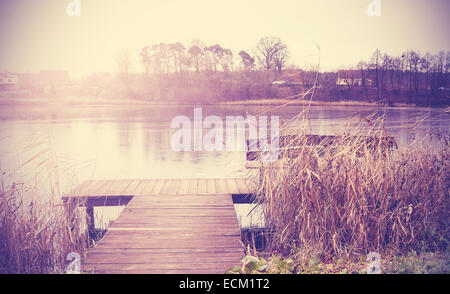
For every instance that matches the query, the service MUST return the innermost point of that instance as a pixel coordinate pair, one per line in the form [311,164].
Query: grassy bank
[324,205]
[69,101]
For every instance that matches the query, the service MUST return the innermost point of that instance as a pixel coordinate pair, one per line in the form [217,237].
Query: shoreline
[130,102]
[290,102]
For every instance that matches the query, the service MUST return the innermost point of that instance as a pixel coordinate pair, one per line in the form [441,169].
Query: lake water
[73,144]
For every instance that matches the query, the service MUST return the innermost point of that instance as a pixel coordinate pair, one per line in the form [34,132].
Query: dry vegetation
[36,236]
[349,199]
[37,230]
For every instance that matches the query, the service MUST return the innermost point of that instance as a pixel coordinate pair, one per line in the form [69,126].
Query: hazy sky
[38,34]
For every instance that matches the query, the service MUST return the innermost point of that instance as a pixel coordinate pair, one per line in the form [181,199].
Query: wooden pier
[168,225]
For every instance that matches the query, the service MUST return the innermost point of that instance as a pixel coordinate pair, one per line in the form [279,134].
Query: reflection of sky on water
[114,143]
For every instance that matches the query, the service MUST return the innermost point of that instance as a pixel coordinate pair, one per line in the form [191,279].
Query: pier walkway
[167,226]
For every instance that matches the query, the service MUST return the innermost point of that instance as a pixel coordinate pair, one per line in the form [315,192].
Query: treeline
[411,76]
[202,72]
[208,73]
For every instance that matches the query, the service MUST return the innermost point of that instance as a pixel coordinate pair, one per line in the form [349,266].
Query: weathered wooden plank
[184,187]
[144,187]
[131,187]
[193,186]
[202,186]
[91,270]
[179,212]
[150,258]
[173,187]
[211,186]
[182,199]
[168,251]
[115,187]
[167,186]
[209,264]
[169,243]
[185,229]
[175,225]
[104,257]
[81,189]
[221,186]
[180,234]
[232,186]
[96,188]
[177,219]
[148,187]
[158,186]
[225,228]
[160,269]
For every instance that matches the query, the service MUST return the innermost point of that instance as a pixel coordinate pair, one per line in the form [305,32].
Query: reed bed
[351,197]
[37,235]
[37,230]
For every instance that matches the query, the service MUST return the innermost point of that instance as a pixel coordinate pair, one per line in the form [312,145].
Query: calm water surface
[76,144]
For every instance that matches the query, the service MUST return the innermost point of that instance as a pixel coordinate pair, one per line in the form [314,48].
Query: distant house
[290,78]
[355,78]
[8,81]
[288,84]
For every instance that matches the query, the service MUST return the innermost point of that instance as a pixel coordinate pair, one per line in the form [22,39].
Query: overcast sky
[37,35]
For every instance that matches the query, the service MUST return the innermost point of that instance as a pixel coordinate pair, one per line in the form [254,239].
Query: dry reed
[351,198]
[37,230]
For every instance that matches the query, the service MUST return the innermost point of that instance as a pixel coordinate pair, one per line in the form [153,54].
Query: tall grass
[351,198]
[38,231]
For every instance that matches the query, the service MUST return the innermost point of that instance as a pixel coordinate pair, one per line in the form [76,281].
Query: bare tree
[124,64]
[280,59]
[177,54]
[196,52]
[425,66]
[266,49]
[375,66]
[146,59]
[414,61]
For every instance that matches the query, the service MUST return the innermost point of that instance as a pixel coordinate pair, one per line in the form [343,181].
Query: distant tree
[247,61]
[362,67]
[399,67]
[177,53]
[146,58]
[280,59]
[425,66]
[123,63]
[196,52]
[386,64]
[266,50]
[375,61]
[447,70]
[213,55]
[226,60]
[413,65]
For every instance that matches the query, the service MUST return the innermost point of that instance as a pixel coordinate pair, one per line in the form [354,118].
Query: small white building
[354,78]
[8,81]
